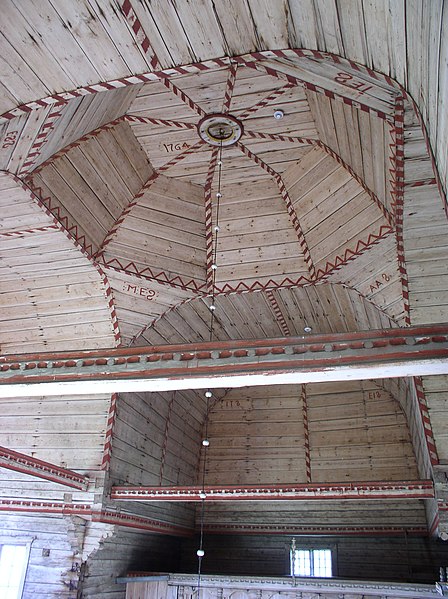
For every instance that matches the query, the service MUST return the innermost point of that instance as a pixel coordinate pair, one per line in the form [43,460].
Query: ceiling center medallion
[220,129]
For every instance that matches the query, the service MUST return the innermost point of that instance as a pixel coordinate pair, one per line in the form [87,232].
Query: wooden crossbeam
[413,351]
[415,489]
[20,462]
[88,512]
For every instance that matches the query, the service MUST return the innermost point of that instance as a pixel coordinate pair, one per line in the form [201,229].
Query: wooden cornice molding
[389,353]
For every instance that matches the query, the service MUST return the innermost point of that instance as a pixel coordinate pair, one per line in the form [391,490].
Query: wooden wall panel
[347,431]
[47,575]
[425,234]
[163,232]
[404,391]
[314,517]
[92,184]
[398,558]
[173,422]
[157,441]
[375,275]
[257,437]
[127,550]
[85,114]
[361,139]
[358,432]
[68,431]
[139,302]
[436,392]
[37,296]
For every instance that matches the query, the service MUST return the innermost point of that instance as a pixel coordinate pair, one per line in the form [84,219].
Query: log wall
[53,567]
[402,558]
[126,550]
[156,441]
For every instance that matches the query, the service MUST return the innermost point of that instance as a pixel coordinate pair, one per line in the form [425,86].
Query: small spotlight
[205,442]
[307,329]
[278,114]
[208,393]
[212,307]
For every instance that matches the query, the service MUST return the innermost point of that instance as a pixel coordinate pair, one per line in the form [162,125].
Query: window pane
[311,562]
[302,563]
[13,560]
[322,562]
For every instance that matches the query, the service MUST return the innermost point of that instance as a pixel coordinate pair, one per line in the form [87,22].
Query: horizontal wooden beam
[413,351]
[86,511]
[415,489]
[20,462]
[292,528]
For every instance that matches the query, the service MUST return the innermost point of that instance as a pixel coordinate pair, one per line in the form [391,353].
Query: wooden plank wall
[164,232]
[65,430]
[400,558]
[425,232]
[349,431]
[356,430]
[405,393]
[126,550]
[319,185]
[46,279]
[91,184]
[157,441]
[315,517]
[53,568]
[436,392]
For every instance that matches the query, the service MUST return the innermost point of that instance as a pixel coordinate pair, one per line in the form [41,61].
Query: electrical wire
[208,394]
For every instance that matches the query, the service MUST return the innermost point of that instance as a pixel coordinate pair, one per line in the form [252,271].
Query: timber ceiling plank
[141,301]
[325,308]
[163,233]
[46,280]
[93,182]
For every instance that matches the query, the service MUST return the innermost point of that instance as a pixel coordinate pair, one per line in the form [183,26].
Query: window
[311,562]
[13,564]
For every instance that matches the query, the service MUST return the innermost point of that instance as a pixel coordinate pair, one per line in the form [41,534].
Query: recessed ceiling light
[307,329]
[278,114]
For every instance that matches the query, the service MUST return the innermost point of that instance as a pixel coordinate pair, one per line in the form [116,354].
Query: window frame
[312,545]
[11,542]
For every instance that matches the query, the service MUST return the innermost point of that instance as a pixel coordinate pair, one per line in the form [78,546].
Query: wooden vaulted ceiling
[306,198]
[108,200]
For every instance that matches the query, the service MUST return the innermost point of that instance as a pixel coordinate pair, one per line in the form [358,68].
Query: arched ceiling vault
[312,197]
